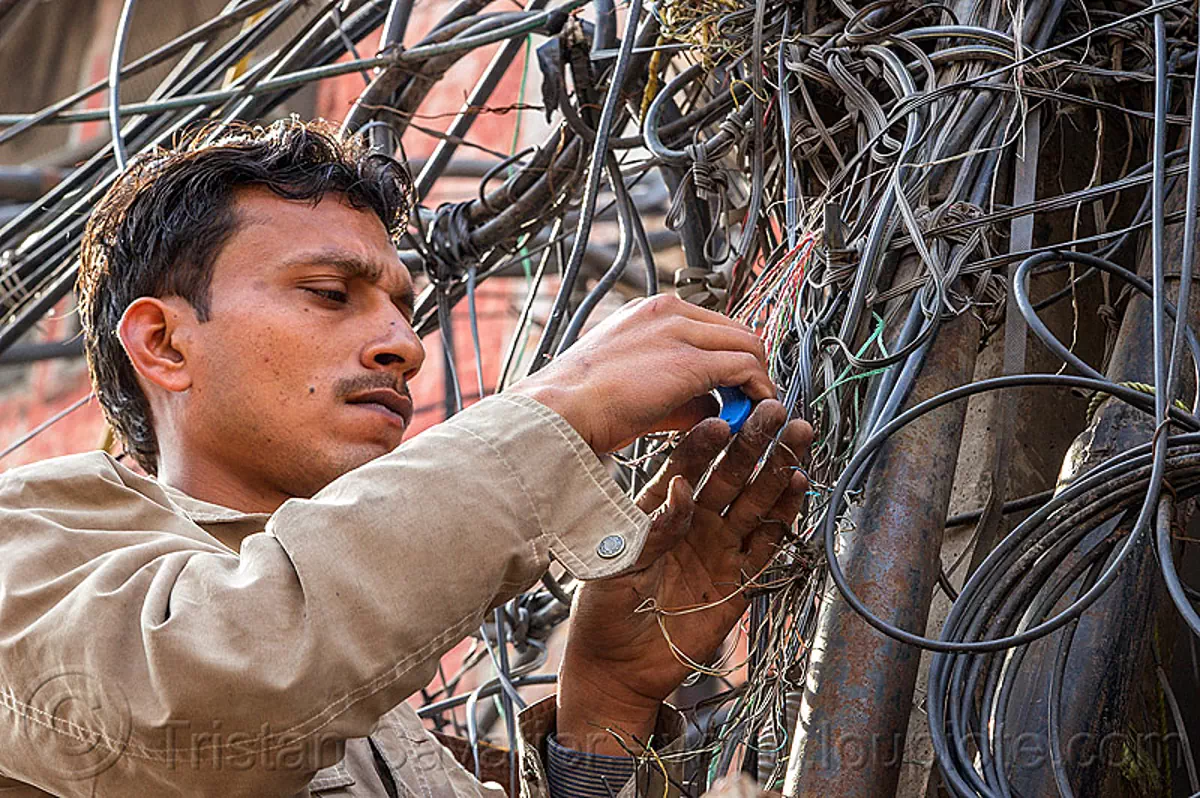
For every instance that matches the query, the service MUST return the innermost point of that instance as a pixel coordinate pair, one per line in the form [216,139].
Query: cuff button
[611,546]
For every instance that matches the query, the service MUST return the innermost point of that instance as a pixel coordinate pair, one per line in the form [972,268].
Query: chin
[358,456]
[340,451]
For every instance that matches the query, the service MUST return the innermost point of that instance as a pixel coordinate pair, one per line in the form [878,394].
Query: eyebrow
[353,267]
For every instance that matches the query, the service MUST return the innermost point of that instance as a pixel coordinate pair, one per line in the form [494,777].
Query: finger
[737,464]
[753,503]
[798,437]
[669,523]
[680,419]
[762,544]
[722,338]
[733,369]
[690,460]
[740,370]
[716,335]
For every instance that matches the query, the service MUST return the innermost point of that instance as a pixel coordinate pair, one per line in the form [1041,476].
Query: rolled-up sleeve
[138,658]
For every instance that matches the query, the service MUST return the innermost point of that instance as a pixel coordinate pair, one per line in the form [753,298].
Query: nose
[397,348]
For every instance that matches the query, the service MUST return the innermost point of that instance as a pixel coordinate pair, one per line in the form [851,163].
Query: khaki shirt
[141,657]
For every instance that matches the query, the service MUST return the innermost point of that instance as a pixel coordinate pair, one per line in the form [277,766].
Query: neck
[219,485]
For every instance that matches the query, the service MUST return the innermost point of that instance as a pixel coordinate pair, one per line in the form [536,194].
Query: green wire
[843,378]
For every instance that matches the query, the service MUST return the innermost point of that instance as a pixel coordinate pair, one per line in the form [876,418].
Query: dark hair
[159,228]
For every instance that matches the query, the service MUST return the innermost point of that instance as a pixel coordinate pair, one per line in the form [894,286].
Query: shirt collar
[202,512]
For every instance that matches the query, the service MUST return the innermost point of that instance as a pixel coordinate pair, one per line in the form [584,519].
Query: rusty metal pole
[850,735]
[1110,666]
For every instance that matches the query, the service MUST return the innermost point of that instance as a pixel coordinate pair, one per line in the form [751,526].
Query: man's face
[300,374]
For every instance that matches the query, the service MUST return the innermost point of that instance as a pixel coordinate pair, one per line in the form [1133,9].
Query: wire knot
[949,214]
[709,180]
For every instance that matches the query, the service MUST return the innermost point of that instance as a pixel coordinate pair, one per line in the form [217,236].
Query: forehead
[270,231]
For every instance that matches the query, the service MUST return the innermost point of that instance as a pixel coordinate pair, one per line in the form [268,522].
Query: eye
[331,294]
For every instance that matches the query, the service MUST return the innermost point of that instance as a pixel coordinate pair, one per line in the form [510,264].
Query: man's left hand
[700,553]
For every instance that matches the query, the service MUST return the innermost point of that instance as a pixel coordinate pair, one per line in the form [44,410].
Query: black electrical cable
[153,58]
[1165,389]
[487,691]
[591,191]
[466,117]
[1058,259]
[114,83]
[650,132]
[1098,508]
[829,525]
[610,277]
[1014,506]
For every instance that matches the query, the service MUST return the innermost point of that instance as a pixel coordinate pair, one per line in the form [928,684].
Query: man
[250,620]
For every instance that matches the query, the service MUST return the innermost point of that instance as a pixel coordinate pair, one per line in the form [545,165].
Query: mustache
[370,382]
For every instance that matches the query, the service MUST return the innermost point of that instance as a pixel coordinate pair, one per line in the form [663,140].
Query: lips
[393,402]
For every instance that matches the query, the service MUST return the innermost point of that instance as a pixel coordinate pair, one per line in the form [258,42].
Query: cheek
[273,345]
[263,361]
[284,362]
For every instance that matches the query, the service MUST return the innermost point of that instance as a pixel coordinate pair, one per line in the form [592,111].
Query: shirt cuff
[588,523]
[576,773]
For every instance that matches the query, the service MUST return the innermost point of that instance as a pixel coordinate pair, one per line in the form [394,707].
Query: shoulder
[72,477]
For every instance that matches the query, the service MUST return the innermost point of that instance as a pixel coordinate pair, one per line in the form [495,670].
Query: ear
[155,332]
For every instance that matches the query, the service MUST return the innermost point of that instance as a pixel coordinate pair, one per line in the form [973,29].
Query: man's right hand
[647,368]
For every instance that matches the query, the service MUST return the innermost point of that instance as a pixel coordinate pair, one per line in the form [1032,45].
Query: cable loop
[700,287]
[450,248]
[676,215]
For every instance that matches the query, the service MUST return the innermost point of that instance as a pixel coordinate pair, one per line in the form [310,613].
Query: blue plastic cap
[735,407]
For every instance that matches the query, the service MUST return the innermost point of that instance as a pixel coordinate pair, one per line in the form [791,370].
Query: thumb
[684,417]
[670,523]
[689,414]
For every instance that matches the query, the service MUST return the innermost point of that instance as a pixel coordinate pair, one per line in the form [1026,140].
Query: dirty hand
[648,367]
[618,667]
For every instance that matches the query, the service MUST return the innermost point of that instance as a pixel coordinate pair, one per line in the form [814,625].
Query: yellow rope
[652,83]
[1099,397]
